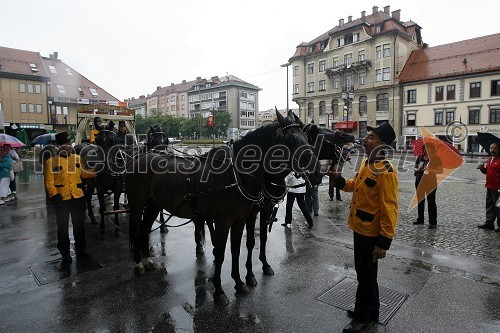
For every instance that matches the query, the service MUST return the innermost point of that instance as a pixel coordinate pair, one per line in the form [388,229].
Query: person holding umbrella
[5,168]
[491,168]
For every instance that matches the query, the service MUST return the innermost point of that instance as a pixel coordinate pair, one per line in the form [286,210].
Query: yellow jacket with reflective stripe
[64,176]
[374,207]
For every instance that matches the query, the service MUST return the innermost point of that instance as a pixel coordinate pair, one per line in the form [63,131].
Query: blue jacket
[5,166]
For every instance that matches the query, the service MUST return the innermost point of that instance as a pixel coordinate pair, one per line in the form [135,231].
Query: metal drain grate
[343,296]
[54,271]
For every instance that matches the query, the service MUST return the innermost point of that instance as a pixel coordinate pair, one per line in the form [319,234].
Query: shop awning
[346,124]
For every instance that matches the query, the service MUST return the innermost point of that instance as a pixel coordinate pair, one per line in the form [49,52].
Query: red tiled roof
[482,54]
[72,82]
[16,61]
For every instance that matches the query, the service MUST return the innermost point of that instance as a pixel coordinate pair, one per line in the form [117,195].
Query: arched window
[322,108]
[335,108]
[383,102]
[362,105]
[310,110]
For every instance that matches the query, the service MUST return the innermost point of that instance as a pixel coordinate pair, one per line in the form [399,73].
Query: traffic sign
[345,118]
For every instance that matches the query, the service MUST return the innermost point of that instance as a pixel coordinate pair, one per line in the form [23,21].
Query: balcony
[351,68]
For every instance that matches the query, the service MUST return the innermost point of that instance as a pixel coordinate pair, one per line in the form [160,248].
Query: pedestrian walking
[16,167]
[427,166]
[5,176]
[491,168]
[312,200]
[372,218]
[296,190]
[63,182]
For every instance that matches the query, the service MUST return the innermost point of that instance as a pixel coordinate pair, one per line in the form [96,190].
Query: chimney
[341,22]
[183,81]
[349,18]
[158,87]
[214,78]
[374,10]
[363,14]
[56,54]
[172,84]
[396,15]
[198,78]
[142,96]
[387,10]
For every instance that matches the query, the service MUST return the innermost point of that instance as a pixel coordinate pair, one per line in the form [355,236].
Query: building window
[378,75]
[310,110]
[310,68]
[322,65]
[322,108]
[295,89]
[61,89]
[411,119]
[39,108]
[31,108]
[58,110]
[450,92]
[22,87]
[335,108]
[494,115]
[322,85]
[439,93]
[30,88]
[383,102]
[348,82]
[495,88]
[474,116]
[348,60]
[362,105]
[438,118]
[23,108]
[38,89]
[310,87]
[53,70]
[387,74]
[450,116]
[475,90]
[387,50]
[362,78]
[68,71]
[378,52]
[311,48]
[336,83]
[412,96]
[361,56]
[378,29]
[335,62]
[340,42]
[362,129]
[65,110]
[94,93]
[296,70]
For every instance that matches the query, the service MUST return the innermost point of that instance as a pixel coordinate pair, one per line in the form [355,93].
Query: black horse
[328,146]
[222,186]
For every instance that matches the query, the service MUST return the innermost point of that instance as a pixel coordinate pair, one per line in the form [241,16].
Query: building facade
[139,105]
[453,90]
[43,93]
[347,78]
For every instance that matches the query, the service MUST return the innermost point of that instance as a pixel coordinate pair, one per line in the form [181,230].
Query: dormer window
[33,67]
[311,49]
[94,92]
[378,29]
[80,91]
[68,71]
[53,70]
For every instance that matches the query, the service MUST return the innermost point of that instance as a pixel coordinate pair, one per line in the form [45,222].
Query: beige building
[43,93]
[170,100]
[347,78]
[453,90]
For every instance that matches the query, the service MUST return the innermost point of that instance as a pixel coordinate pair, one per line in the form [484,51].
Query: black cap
[121,123]
[62,138]
[385,132]
[96,119]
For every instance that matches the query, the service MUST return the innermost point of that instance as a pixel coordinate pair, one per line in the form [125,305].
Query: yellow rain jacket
[374,207]
[93,135]
[64,176]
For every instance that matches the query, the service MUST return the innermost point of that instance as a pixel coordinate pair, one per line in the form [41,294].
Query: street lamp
[328,113]
[286,65]
[348,97]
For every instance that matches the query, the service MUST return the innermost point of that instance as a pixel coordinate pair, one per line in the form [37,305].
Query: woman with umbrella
[5,168]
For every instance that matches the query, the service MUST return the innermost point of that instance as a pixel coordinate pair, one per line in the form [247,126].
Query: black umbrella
[486,139]
[43,139]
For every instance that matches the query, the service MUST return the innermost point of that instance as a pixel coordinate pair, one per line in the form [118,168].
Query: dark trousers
[75,208]
[290,199]
[367,298]
[492,211]
[311,198]
[12,184]
[431,206]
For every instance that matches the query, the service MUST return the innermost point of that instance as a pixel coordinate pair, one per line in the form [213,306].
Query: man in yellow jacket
[97,128]
[63,173]
[372,218]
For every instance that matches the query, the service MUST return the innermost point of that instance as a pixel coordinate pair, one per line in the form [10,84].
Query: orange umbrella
[444,159]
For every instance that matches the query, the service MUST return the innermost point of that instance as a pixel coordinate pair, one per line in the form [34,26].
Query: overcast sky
[130,47]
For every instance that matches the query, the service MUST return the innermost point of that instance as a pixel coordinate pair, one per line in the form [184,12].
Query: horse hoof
[200,250]
[268,270]
[251,281]
[242,289]
[139,271]
[221,300]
